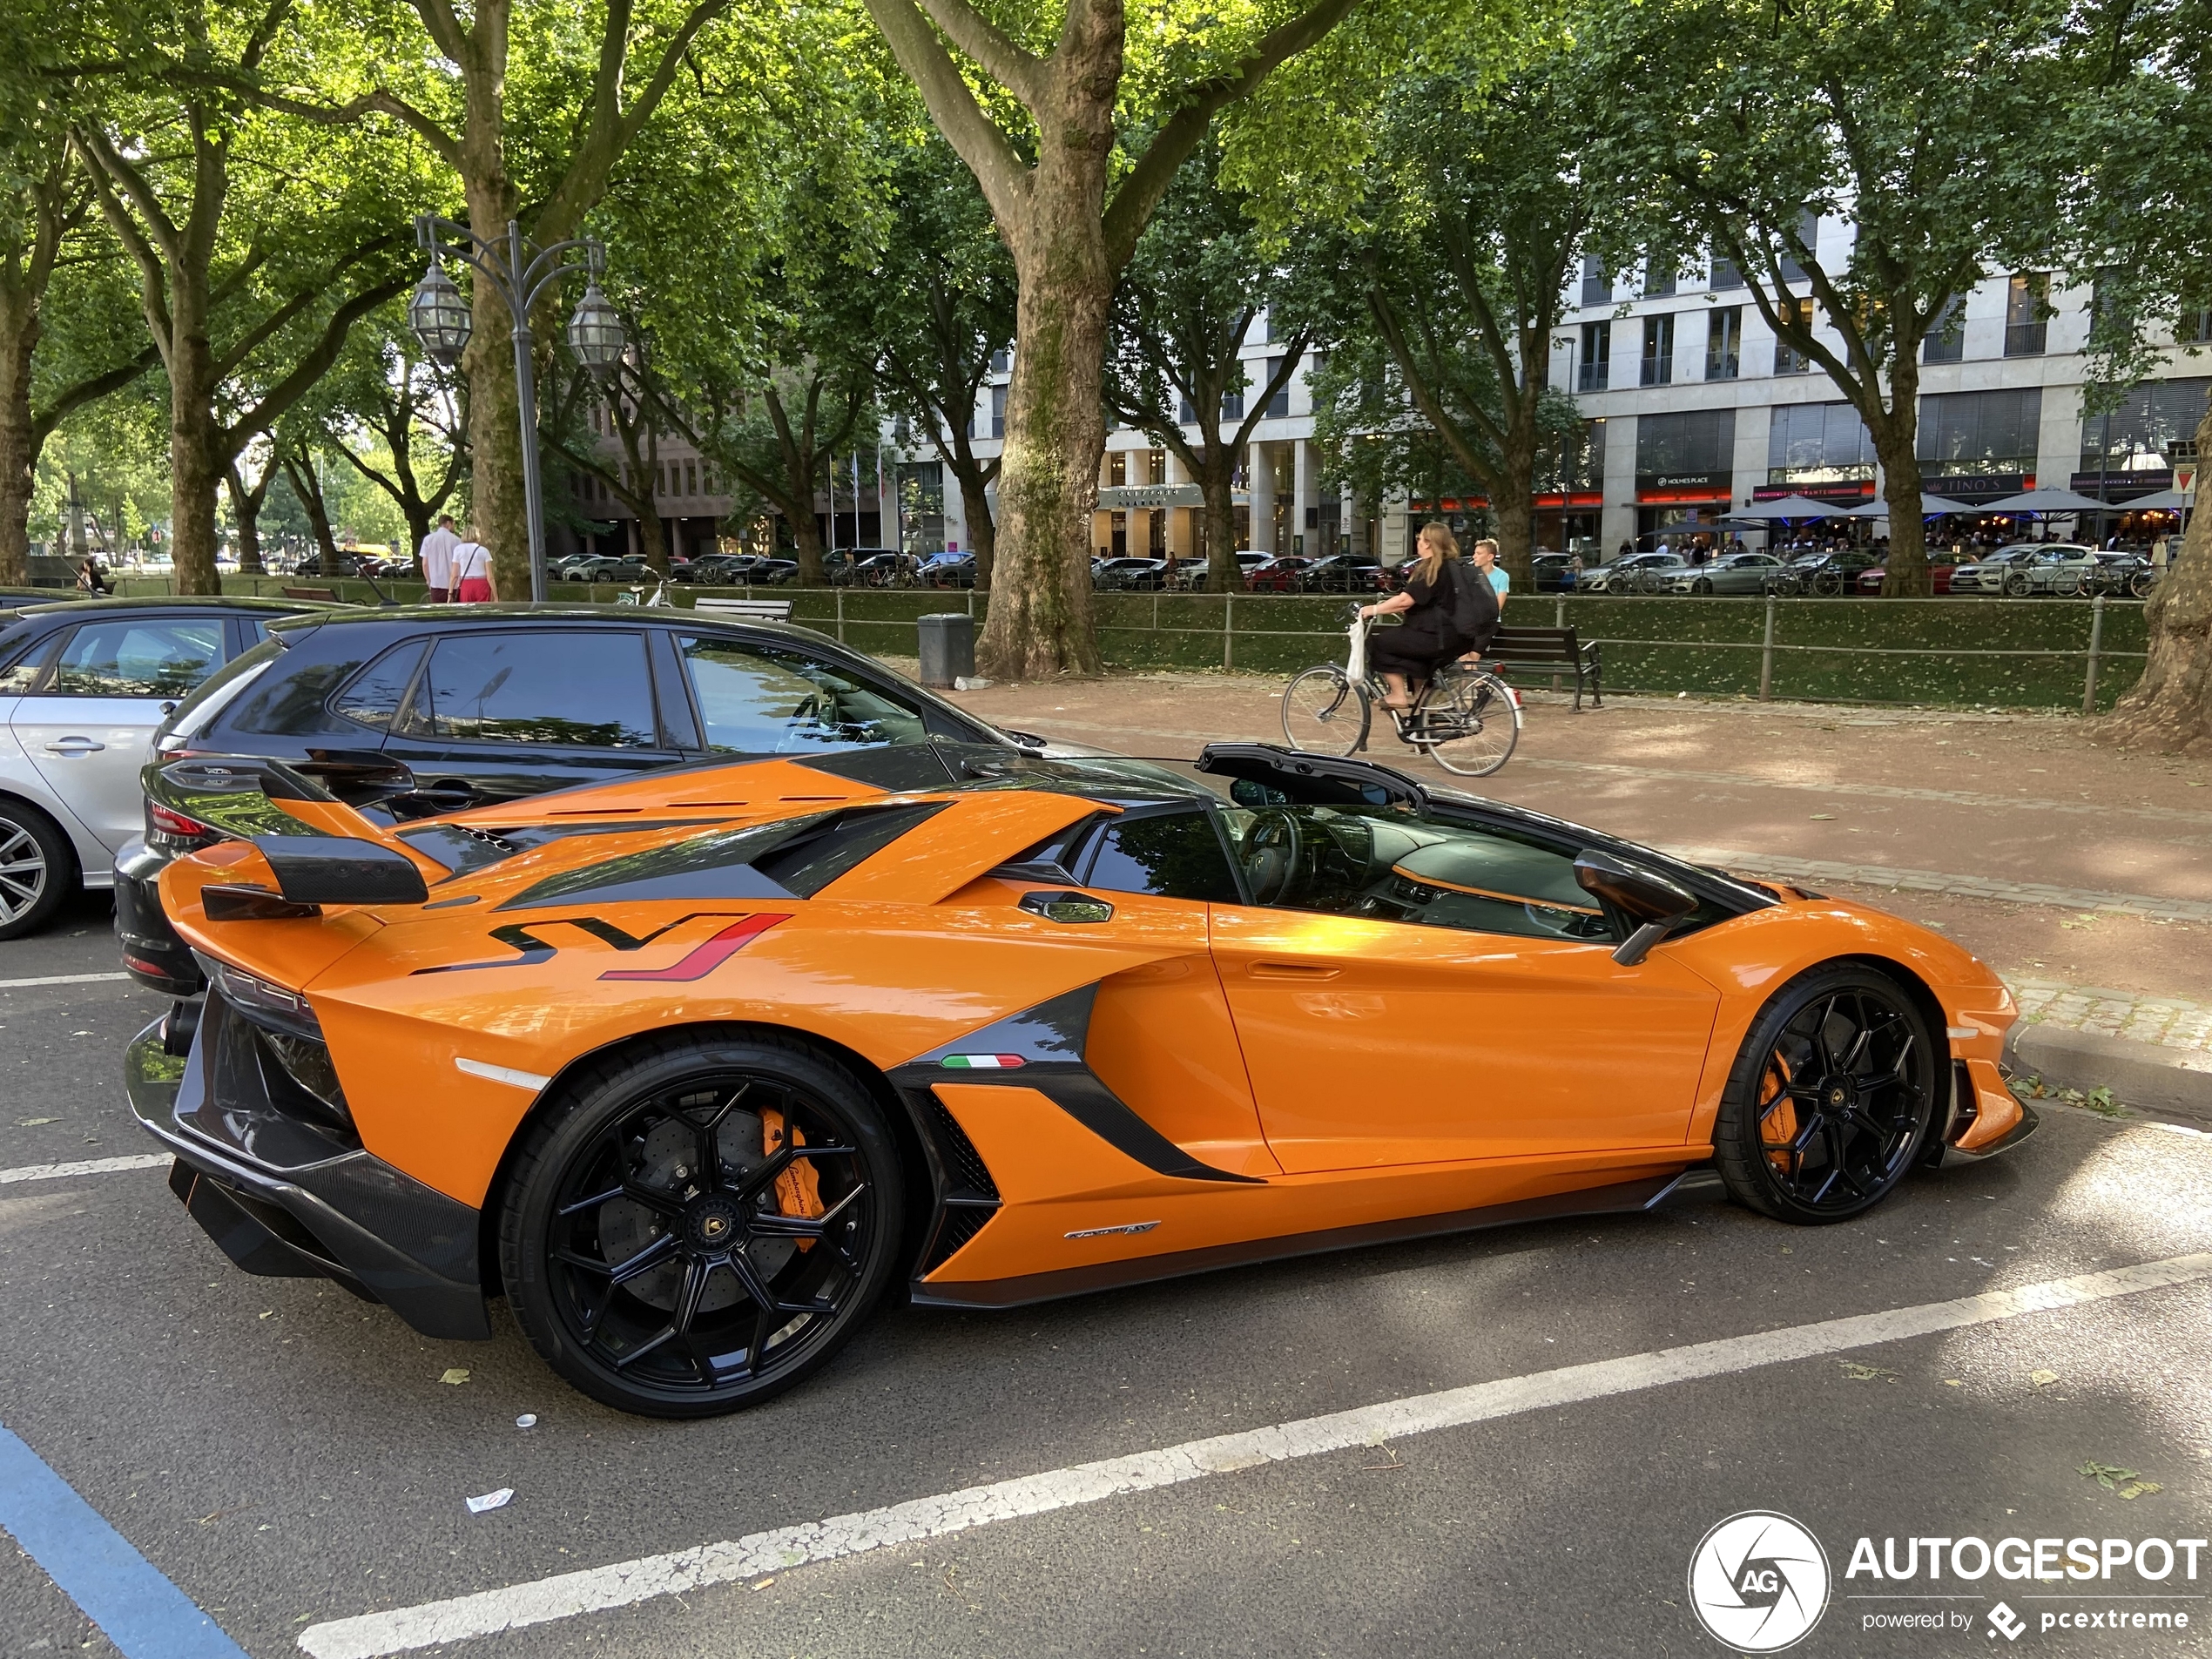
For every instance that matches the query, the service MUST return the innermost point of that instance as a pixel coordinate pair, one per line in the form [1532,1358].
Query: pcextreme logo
[1758,1582]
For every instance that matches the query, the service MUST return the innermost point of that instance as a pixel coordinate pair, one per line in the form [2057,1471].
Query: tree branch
[312,367]
[1141,190]
[974,136]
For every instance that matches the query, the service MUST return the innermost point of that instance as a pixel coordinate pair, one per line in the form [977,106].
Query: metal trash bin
[947,648]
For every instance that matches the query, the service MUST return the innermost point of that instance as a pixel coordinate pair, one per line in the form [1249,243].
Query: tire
[1483,721]
[1325,713]
[1828,1148]
[757,1280]
[2016,586]
[1702,586]
[37,868]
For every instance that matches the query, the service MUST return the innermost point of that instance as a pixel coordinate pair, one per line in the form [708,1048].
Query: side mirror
[1645,897]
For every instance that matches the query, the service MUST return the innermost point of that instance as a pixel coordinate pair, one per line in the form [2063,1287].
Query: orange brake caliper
[798,1191]
[1780,1112]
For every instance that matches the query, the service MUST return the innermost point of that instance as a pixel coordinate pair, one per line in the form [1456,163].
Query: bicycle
[1467,718]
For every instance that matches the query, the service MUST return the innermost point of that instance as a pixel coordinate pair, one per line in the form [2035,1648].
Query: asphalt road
[288,1456]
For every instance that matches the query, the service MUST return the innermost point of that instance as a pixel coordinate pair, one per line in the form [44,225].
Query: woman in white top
[472,573]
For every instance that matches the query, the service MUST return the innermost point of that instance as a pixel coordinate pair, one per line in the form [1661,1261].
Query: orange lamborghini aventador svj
[695,1066]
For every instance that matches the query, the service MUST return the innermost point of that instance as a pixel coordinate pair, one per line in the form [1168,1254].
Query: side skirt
[1623,1197]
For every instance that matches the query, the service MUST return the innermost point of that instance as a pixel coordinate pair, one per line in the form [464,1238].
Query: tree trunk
[1039,626]
[2170,711]
[806,537]
[307,486]
[653,541]
[245,507]
[19,441]
[982,535]
[196,461]
[1513,515]
[1906,574]
[1223,575]
[498,515]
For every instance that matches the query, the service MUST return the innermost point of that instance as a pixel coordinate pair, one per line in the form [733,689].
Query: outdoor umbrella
[2167,501]
[1931,506]
[1790,510]
[2045,503]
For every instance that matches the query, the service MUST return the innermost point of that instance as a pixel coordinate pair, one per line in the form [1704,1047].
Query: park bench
[1548,648]
[747,609]
[329,595]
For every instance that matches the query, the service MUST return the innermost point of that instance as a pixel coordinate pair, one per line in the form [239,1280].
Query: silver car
[2026,568]
[82,685]
[1730,573]
[1638,573]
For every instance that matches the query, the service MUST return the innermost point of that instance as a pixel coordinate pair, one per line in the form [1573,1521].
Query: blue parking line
[138,1609]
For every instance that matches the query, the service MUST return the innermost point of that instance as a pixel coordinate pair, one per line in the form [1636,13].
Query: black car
[416,711]
[84,683]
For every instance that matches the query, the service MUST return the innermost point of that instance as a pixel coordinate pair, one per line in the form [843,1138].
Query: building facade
[1696,409]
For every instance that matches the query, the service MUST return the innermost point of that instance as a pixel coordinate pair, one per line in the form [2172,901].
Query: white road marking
[89,1166]
[501,1073]
[61,979]
[594,1589]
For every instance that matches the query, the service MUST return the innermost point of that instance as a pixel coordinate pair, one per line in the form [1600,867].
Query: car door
[514,712]
[88,726]
[1415,991]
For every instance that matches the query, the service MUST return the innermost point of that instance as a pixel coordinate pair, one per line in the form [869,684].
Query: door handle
[75,746]
[1292,970]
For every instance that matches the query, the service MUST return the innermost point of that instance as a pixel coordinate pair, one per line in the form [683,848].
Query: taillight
[167,822]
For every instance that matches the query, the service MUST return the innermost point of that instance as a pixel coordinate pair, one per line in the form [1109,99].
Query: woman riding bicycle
[1439,597]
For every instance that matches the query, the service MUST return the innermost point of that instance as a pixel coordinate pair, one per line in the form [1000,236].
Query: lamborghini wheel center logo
[1758,1582]
[712,1223]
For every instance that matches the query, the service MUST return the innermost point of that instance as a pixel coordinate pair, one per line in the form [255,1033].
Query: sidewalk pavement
[2020,835]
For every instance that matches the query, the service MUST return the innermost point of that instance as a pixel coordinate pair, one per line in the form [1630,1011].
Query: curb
[2147,1074]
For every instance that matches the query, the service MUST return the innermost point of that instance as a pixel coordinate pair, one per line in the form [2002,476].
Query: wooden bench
[749,610]
[326,593]
[1548,648]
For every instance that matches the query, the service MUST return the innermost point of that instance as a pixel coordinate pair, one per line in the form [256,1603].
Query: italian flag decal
[981,1062]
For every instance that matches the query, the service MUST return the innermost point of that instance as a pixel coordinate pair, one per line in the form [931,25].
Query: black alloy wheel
[1830,1099]
[702,1224]
[1702,586]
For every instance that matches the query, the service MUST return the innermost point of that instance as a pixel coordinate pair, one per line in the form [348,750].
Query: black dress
[1417,648]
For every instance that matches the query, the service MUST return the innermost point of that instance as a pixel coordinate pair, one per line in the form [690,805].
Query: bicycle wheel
[1473,723]
[1325,713]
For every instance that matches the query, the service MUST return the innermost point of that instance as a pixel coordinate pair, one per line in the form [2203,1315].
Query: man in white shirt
[436,554]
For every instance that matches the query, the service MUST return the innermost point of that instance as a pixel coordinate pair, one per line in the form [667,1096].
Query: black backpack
[1471,610]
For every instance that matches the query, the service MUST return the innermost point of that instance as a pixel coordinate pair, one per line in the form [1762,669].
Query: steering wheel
[1274,848]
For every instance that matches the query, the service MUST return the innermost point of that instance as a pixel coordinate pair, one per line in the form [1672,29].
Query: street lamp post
[520,273]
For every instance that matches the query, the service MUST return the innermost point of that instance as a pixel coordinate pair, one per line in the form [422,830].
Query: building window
[1156,465]
[1945,341]
[1690,443]
[1658,368]
[1117,468]
[1657,283]
[1597,355]
[1817,443]
[1572,459]
[1279,405]
[1001,360]
[1724,342]
[1787,359]
[1723,276]
[2195,327]
[2027,309]
[1233,405]
[1965,434]
[1598,286]
[1809,234]
[691,478]
[2141,433]
[998,411]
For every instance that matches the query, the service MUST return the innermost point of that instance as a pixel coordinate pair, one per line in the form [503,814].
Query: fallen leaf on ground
[2128,1483]
[1823,817]
[2042,1379]
[33,1122]
[457,1374]
[1857,1372]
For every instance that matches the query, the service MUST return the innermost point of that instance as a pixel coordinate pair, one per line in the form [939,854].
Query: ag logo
[1758,1582]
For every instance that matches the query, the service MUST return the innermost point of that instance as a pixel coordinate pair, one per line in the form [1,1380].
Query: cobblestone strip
[2167,1021]
[1971,887]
